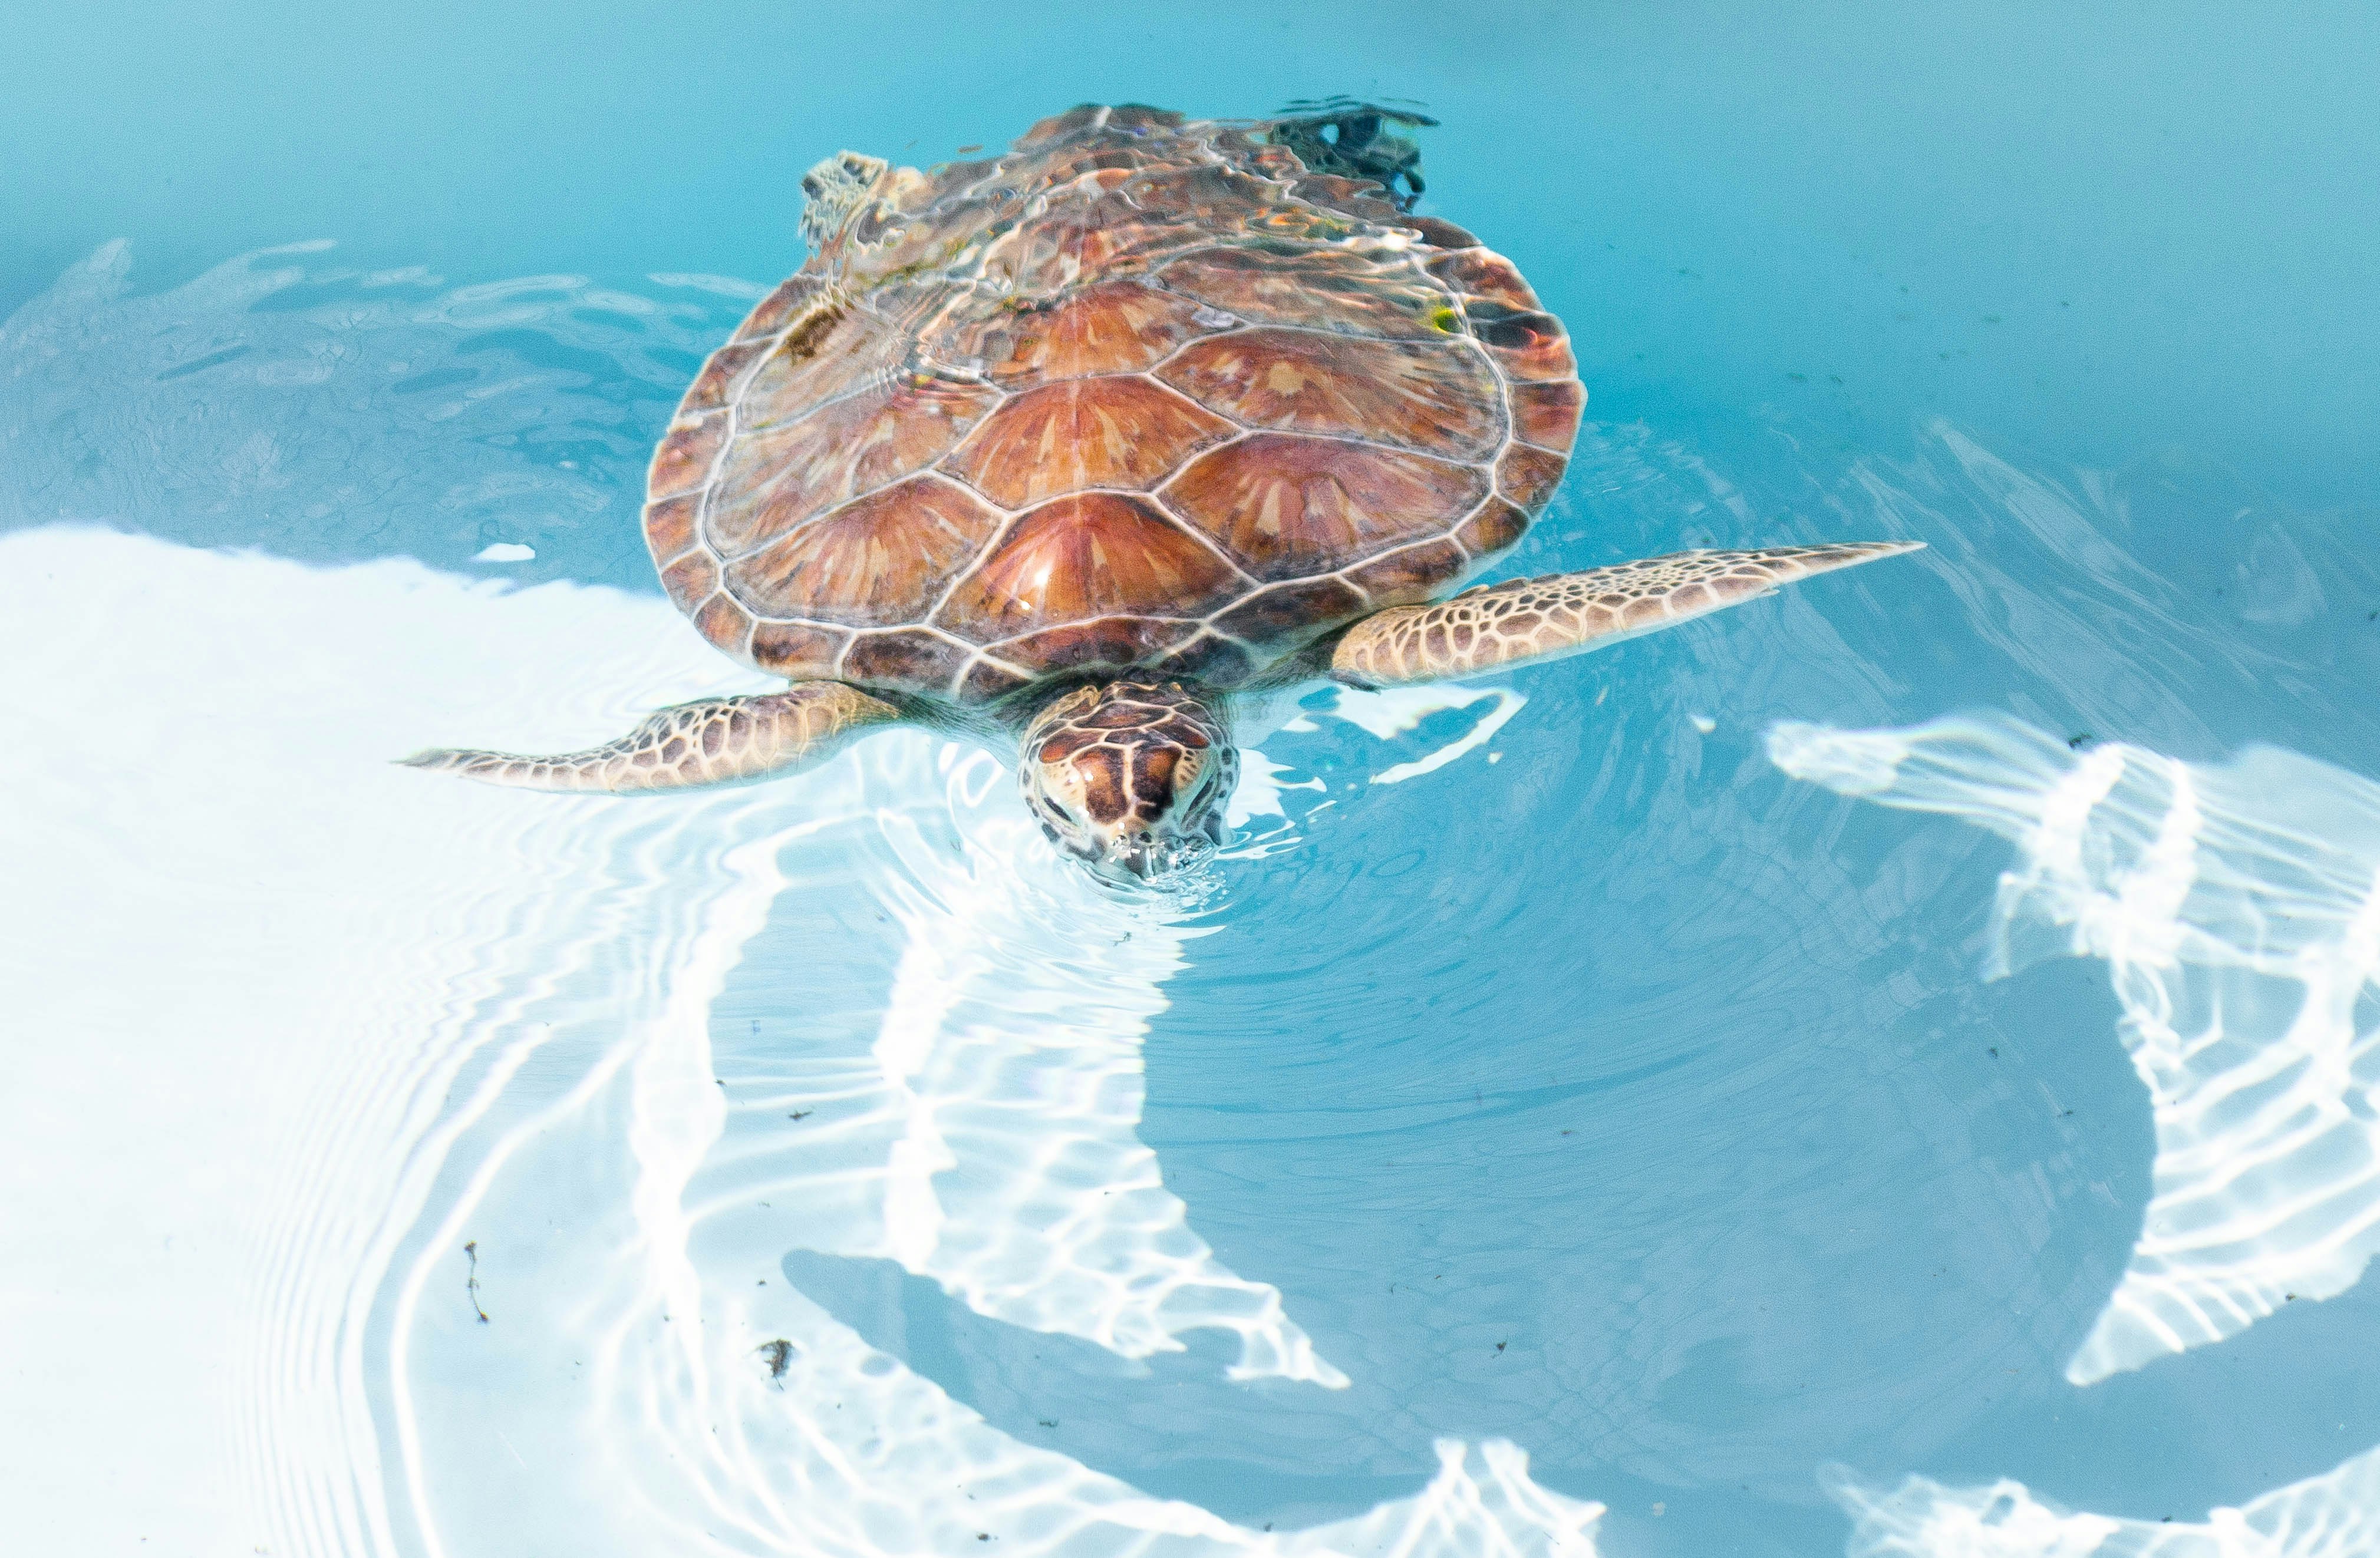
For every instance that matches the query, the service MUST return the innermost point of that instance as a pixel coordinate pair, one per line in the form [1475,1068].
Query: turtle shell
[1140,394]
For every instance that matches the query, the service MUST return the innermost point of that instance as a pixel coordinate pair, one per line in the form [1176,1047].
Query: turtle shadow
[1156,1423]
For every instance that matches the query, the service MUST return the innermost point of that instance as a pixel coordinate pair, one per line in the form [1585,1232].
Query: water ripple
[492,1197]
[2333,1515]
[1551,1070]
[2238,908]
[280,400]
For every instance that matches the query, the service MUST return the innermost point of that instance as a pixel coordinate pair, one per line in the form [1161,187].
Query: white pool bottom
[294,1026]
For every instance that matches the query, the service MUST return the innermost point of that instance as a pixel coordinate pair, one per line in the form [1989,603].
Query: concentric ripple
[507,1206]
[405,1167]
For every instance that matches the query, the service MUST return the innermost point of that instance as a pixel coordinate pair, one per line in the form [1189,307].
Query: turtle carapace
[1091,441]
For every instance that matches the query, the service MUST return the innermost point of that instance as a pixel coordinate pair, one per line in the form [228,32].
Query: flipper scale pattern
[710,741]
[1558,614]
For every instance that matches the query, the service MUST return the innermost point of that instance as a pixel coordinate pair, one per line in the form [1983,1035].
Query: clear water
[1878,1070]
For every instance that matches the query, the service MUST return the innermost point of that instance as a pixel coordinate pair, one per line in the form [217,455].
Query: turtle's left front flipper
[1544,618]
[714,741]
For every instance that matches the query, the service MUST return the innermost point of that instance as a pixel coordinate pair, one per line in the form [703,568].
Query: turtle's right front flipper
[713,741]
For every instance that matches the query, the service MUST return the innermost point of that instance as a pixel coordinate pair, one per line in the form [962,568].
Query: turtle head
[1129,775]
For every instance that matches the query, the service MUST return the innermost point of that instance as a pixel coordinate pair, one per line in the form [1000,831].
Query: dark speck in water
[472,1279]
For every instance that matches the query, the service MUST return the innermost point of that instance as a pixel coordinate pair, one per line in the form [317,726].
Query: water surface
[1880,1071]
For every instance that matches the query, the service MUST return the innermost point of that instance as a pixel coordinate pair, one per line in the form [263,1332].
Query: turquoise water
[1686,1066]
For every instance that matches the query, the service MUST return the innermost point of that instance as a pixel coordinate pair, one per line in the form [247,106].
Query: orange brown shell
[1137,395]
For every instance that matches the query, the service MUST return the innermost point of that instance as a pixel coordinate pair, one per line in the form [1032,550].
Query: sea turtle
[1094,442]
